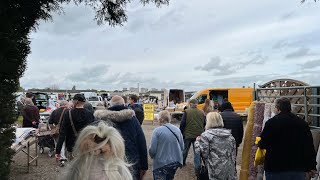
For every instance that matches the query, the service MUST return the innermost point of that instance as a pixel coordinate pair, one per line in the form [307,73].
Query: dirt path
[47,168]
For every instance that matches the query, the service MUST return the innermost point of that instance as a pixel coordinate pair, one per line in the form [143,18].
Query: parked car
[45,105]
[94,100]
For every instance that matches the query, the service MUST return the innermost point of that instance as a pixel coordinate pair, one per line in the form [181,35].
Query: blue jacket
[166,147]
[132,106]
[127,124]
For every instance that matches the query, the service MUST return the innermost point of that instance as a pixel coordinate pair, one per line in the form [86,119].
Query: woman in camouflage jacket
[218,149]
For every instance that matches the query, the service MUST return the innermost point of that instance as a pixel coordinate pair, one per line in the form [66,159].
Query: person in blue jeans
[166,148]
[192,125]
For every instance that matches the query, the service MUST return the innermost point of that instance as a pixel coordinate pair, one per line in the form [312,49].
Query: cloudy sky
[188,44]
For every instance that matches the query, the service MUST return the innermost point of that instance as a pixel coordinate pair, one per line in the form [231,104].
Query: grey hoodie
[218,149]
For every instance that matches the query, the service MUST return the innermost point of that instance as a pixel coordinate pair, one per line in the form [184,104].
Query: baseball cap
[79,97]
[29,94]
[193,101]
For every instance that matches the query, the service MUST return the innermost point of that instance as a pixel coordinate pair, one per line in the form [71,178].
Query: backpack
[139,113]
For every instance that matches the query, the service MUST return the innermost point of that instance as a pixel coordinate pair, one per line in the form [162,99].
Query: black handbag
[203,171]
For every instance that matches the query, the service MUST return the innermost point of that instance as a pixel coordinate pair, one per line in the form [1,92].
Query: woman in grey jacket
[218,149]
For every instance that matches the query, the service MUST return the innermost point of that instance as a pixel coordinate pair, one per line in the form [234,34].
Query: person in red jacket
[30,114]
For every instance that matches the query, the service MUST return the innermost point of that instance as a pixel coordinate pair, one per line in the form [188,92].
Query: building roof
[155,91]
[61,91]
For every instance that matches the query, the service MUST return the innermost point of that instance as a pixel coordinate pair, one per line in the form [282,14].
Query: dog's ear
[87,144]
[106,150]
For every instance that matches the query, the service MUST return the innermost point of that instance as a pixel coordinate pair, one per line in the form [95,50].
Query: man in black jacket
[232,121]
[70,128]
[125,121]
[289,145]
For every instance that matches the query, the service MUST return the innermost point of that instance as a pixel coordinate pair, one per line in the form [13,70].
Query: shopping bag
[260,154]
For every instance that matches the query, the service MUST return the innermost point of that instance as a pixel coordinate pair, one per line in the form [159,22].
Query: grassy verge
[19,121]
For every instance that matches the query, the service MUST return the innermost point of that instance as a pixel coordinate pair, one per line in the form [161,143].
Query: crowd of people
[110,143]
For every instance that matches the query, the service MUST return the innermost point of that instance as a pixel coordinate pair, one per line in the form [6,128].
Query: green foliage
[18,18]
[113,11]
[19,120]
[303,1]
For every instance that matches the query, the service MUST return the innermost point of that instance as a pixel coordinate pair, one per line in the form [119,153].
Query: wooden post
[28,154]
[36,144]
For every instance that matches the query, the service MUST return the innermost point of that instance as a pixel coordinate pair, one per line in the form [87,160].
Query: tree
[18,18]
[73,88]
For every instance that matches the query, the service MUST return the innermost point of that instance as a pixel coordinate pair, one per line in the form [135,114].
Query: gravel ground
[47,168]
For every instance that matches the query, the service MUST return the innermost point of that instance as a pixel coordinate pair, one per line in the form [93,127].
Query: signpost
[148,112]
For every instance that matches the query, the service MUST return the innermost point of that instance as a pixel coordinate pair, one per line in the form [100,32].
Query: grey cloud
[192,85]
[136,25]
[219,68]
[138,19]
[73,20]
[309,76]
[141,19]
[130,80]
[288,16]
[172,18]
[244,80]
[301,52]
[87,74]
[257,59]
[281,44]
[310,64]
[302,72]
[215,64]
[285,43]
[145,50]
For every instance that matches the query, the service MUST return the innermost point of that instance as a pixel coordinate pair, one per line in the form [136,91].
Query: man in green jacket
[192,125]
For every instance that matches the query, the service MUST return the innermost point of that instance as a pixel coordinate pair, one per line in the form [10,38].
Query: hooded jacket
[127,124]
[218,149]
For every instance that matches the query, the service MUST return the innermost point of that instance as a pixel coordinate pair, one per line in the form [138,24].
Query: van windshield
[194,96]
[93,99]
[40,96]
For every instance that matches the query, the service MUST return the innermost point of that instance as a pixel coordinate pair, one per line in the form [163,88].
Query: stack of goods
[267,116]
[267,113]
[247,142]
[257,128]
[273,107]
[22,134]
[318,165]
[316,139]
[259,113]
